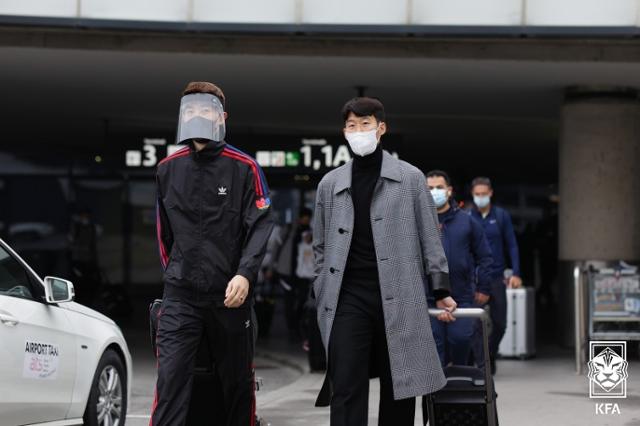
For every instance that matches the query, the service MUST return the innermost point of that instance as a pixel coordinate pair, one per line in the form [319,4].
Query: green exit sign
[292,159]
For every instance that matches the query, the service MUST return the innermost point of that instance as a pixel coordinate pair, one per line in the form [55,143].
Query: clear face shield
[201,117]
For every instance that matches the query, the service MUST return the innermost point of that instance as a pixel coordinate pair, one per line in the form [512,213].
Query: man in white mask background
[469,258]
[498,228]
[376,244]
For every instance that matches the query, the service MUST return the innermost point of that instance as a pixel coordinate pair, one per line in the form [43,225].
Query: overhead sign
[314,154]
[275,153]
[149,155]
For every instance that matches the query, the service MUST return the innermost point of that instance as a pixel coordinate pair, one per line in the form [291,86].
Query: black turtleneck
[362,266]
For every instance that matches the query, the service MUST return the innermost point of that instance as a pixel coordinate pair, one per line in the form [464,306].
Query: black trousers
[180,330]
[295,300]
[358,344]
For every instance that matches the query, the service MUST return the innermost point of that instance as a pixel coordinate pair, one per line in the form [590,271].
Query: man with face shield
[213,224]
[201,118]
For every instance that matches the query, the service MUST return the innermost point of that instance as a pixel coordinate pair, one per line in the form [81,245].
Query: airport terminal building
[539,95]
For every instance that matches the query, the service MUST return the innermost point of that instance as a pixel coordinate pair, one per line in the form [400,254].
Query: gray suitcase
[519,339]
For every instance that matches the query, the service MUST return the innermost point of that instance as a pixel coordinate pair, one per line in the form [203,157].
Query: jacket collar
[477,214]
[390,170]
[210,151]
[451,213]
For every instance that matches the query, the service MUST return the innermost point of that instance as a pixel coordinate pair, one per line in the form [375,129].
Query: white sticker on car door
[40,360]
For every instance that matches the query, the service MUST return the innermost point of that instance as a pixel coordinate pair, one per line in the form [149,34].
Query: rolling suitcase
[519,336]
[206,384]
[468,398]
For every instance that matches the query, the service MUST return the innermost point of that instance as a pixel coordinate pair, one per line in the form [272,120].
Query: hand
[481,298]
[514,282]
[237,291]
[449,305]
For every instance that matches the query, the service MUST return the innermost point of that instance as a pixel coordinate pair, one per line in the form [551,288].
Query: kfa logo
[222,190]
[608,369]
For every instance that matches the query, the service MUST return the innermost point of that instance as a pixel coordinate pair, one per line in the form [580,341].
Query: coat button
[332,270]
[341,231]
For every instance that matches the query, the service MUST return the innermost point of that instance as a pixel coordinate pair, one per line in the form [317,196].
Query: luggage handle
[484,318]
[463,313]
[476,382]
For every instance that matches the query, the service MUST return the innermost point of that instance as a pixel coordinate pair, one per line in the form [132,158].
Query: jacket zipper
[200,230]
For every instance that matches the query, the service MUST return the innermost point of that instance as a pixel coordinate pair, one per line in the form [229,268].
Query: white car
[61,363]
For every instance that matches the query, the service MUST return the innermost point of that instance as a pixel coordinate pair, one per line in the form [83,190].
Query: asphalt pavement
[541,391]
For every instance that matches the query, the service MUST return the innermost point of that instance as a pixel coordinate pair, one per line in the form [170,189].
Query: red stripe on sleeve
[250,162]
[181,153]
[163,251]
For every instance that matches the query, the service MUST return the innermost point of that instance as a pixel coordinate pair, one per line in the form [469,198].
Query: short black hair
[363,107]
[440,173]
[481,180]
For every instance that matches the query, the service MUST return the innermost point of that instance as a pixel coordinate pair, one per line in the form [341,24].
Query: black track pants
[181,327]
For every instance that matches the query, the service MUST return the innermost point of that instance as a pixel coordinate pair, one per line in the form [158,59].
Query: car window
[14,280]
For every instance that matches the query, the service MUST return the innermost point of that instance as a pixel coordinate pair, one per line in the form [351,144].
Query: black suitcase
[206,384]
[468,398]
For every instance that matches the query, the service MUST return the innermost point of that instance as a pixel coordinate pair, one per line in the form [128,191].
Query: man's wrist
[244,273]
[440,294]
[440,281]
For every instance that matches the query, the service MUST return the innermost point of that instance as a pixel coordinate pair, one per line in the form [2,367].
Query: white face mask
[362,143]
[440,196]
[481,201]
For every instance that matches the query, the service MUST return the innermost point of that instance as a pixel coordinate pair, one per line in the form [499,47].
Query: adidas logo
[222,190]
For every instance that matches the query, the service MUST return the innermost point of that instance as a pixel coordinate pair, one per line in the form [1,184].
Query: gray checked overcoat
[409,251]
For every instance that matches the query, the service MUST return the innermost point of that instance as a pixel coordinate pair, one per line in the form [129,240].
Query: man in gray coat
[378,252]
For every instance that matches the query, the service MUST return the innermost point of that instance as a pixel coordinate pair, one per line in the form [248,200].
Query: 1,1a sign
[315,154]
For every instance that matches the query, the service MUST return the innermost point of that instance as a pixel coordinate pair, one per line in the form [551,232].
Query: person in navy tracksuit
[469,257]
[498,228]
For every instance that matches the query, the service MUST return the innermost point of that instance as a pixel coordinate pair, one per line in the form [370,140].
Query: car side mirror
[57,290]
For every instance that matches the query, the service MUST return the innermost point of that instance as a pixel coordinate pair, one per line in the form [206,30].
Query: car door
[37,349]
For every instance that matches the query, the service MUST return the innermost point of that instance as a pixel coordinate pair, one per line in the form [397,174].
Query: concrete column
[599,212]
[600,176]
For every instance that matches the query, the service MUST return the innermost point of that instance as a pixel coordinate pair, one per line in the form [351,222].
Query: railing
[579,302]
